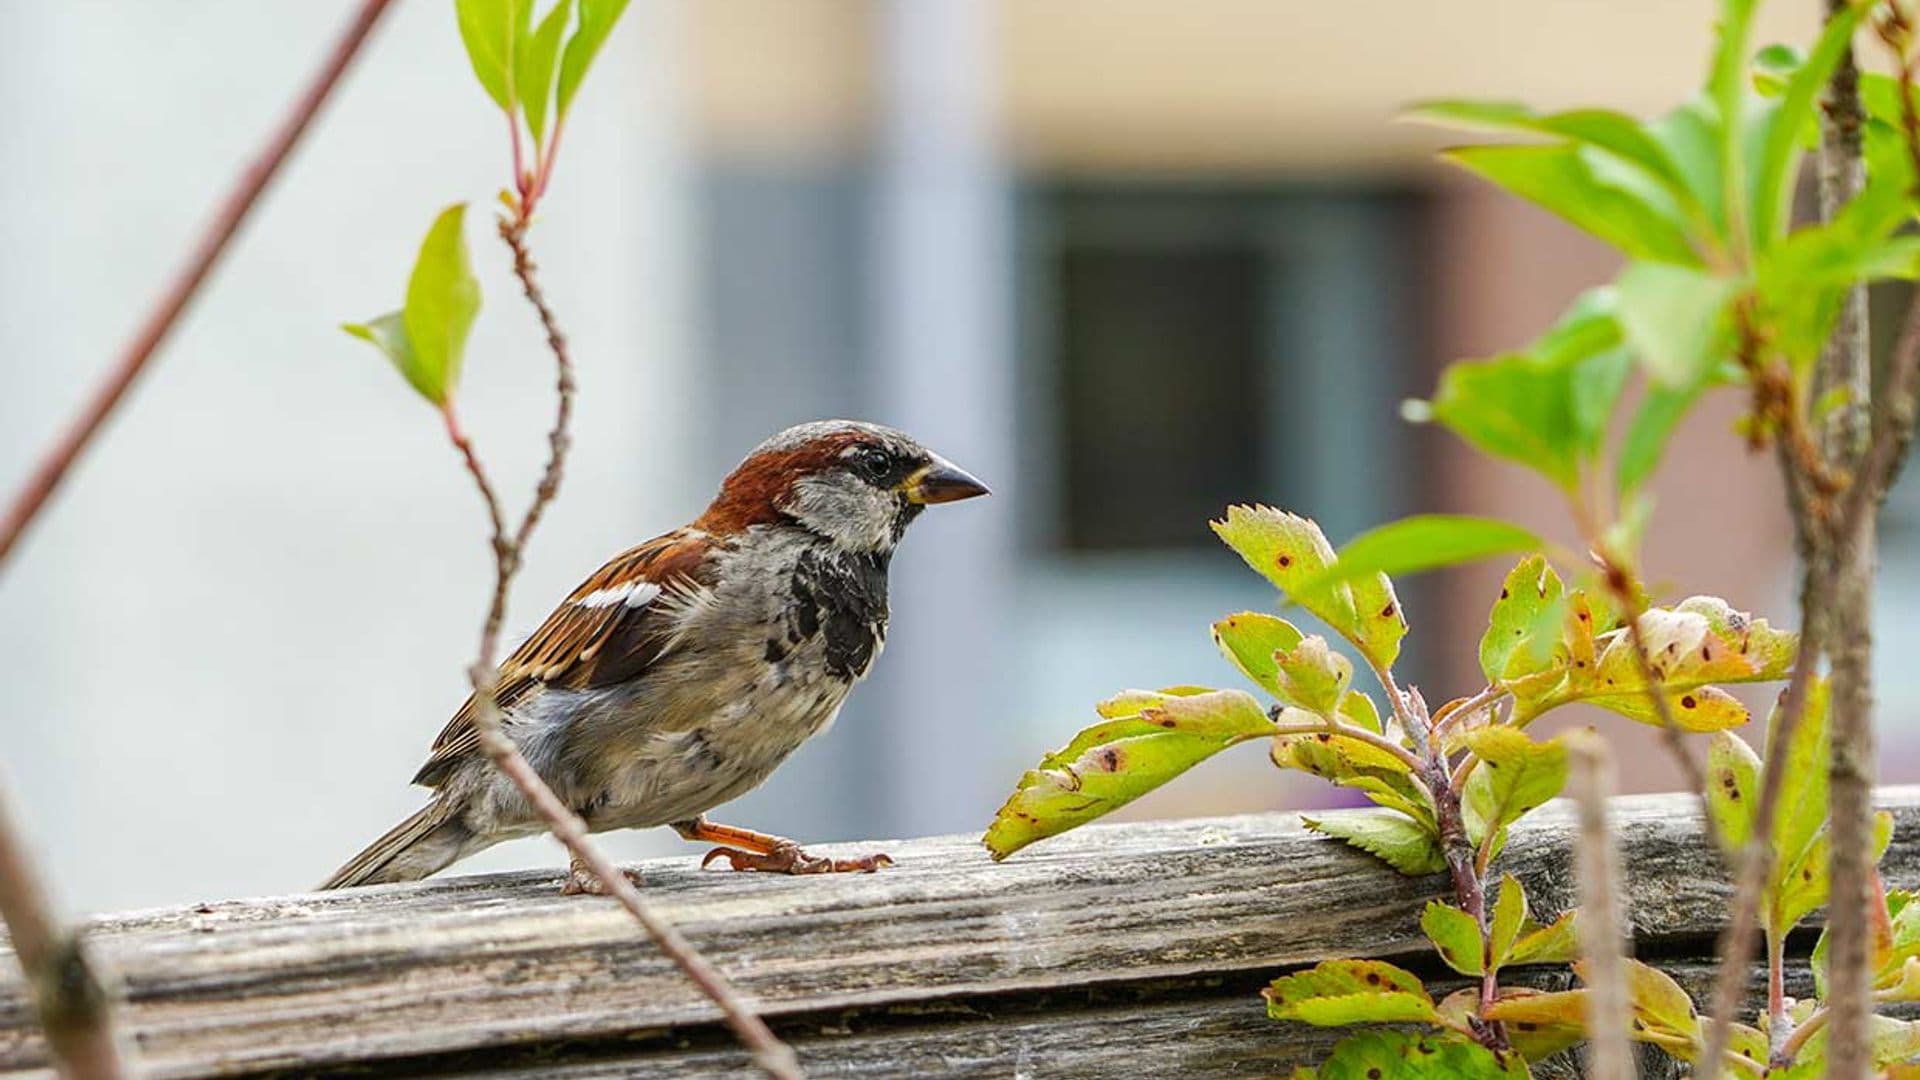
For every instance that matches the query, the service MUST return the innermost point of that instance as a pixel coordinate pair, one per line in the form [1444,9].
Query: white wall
[230,642]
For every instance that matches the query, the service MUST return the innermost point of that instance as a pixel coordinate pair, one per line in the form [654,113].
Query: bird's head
[856,484]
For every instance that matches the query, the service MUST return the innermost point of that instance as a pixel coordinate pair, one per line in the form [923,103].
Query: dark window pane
[1161,357]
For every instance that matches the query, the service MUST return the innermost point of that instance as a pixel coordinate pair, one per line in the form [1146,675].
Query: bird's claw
[584,882]
[788,858]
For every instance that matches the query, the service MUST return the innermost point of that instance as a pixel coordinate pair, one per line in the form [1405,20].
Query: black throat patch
[842,597]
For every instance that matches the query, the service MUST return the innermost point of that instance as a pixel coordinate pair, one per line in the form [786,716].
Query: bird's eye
[872,463]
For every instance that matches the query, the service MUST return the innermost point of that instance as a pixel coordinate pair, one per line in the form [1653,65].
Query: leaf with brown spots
[1339,992]
[1388,1054]
[1355,763]
[1733,785]
[1524,627]
[1455,936]
[1122,758]
[1291,552]
[1540,1024]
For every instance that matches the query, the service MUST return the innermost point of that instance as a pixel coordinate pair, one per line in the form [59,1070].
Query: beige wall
[1210,84]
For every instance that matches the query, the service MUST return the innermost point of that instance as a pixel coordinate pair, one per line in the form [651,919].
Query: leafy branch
[525,72]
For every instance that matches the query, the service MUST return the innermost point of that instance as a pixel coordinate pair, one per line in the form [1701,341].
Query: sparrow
[684,671]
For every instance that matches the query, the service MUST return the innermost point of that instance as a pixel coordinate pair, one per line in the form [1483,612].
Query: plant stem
[75,1011]
[53,468]
[1600,925]
[773,1057]
[1845,363]
[73,1006]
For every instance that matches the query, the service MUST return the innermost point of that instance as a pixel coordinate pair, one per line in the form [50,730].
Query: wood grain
[1111,951]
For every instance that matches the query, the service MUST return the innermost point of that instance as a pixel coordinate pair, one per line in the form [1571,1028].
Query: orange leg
[745,849]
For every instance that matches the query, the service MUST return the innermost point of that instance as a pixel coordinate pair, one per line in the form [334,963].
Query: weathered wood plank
[457,970]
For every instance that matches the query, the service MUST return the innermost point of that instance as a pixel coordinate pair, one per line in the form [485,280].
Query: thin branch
[1600,924]
[74,1007]
[53,468]
[75,1011]
[773,1057]
[1850,547]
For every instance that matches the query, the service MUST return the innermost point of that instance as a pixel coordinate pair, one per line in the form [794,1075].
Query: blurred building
[1127,260]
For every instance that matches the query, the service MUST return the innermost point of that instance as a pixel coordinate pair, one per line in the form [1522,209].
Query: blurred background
[1127,260]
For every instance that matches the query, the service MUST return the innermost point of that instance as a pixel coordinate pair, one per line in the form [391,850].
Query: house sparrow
[682,673]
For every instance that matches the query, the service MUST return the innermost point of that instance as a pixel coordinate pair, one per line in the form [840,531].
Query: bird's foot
[582,881]
[787,857]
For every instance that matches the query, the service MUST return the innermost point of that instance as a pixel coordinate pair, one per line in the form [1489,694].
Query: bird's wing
[607,631]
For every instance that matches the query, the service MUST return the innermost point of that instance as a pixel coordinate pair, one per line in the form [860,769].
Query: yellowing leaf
[1339,992]
[1290,551]
[1455,936]
[1117,761]
[1540,1024]
[1250,640]
[1515,775]
[1392,837]
[1557,943]
[1733,786]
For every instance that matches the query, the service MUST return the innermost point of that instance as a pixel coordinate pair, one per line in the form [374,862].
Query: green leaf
[443,297]
[1290,551]
[1727,86]
[1612,132]
[597,18]
[1800,814]
[1339,992]
[1455,936]
[388,333]
[1314,677]
[427,340]
[1392,837]
[1573,182]
[1646,441]
[1784,133]
[1691,136]
[1515,775]
[534,66]
[1733,785]
[490,29]
[1508,919]
[1250,641]
[1424,542]
[1114,762]
[1675,318]
[1556,943]
[1520,638]
[1406,1055]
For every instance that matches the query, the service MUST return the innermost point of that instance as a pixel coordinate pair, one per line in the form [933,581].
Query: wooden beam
[945,957]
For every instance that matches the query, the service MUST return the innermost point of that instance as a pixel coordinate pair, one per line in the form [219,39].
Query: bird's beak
[940,481]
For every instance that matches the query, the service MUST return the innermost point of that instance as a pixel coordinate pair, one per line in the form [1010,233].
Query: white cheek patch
[634,594]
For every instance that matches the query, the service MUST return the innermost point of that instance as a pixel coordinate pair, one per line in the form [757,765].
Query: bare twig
[1602,942]
[53,468]
[74,1008]
[1850,548]
[774,1057]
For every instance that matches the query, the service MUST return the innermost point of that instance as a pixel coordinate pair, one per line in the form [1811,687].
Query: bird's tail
[426,842]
